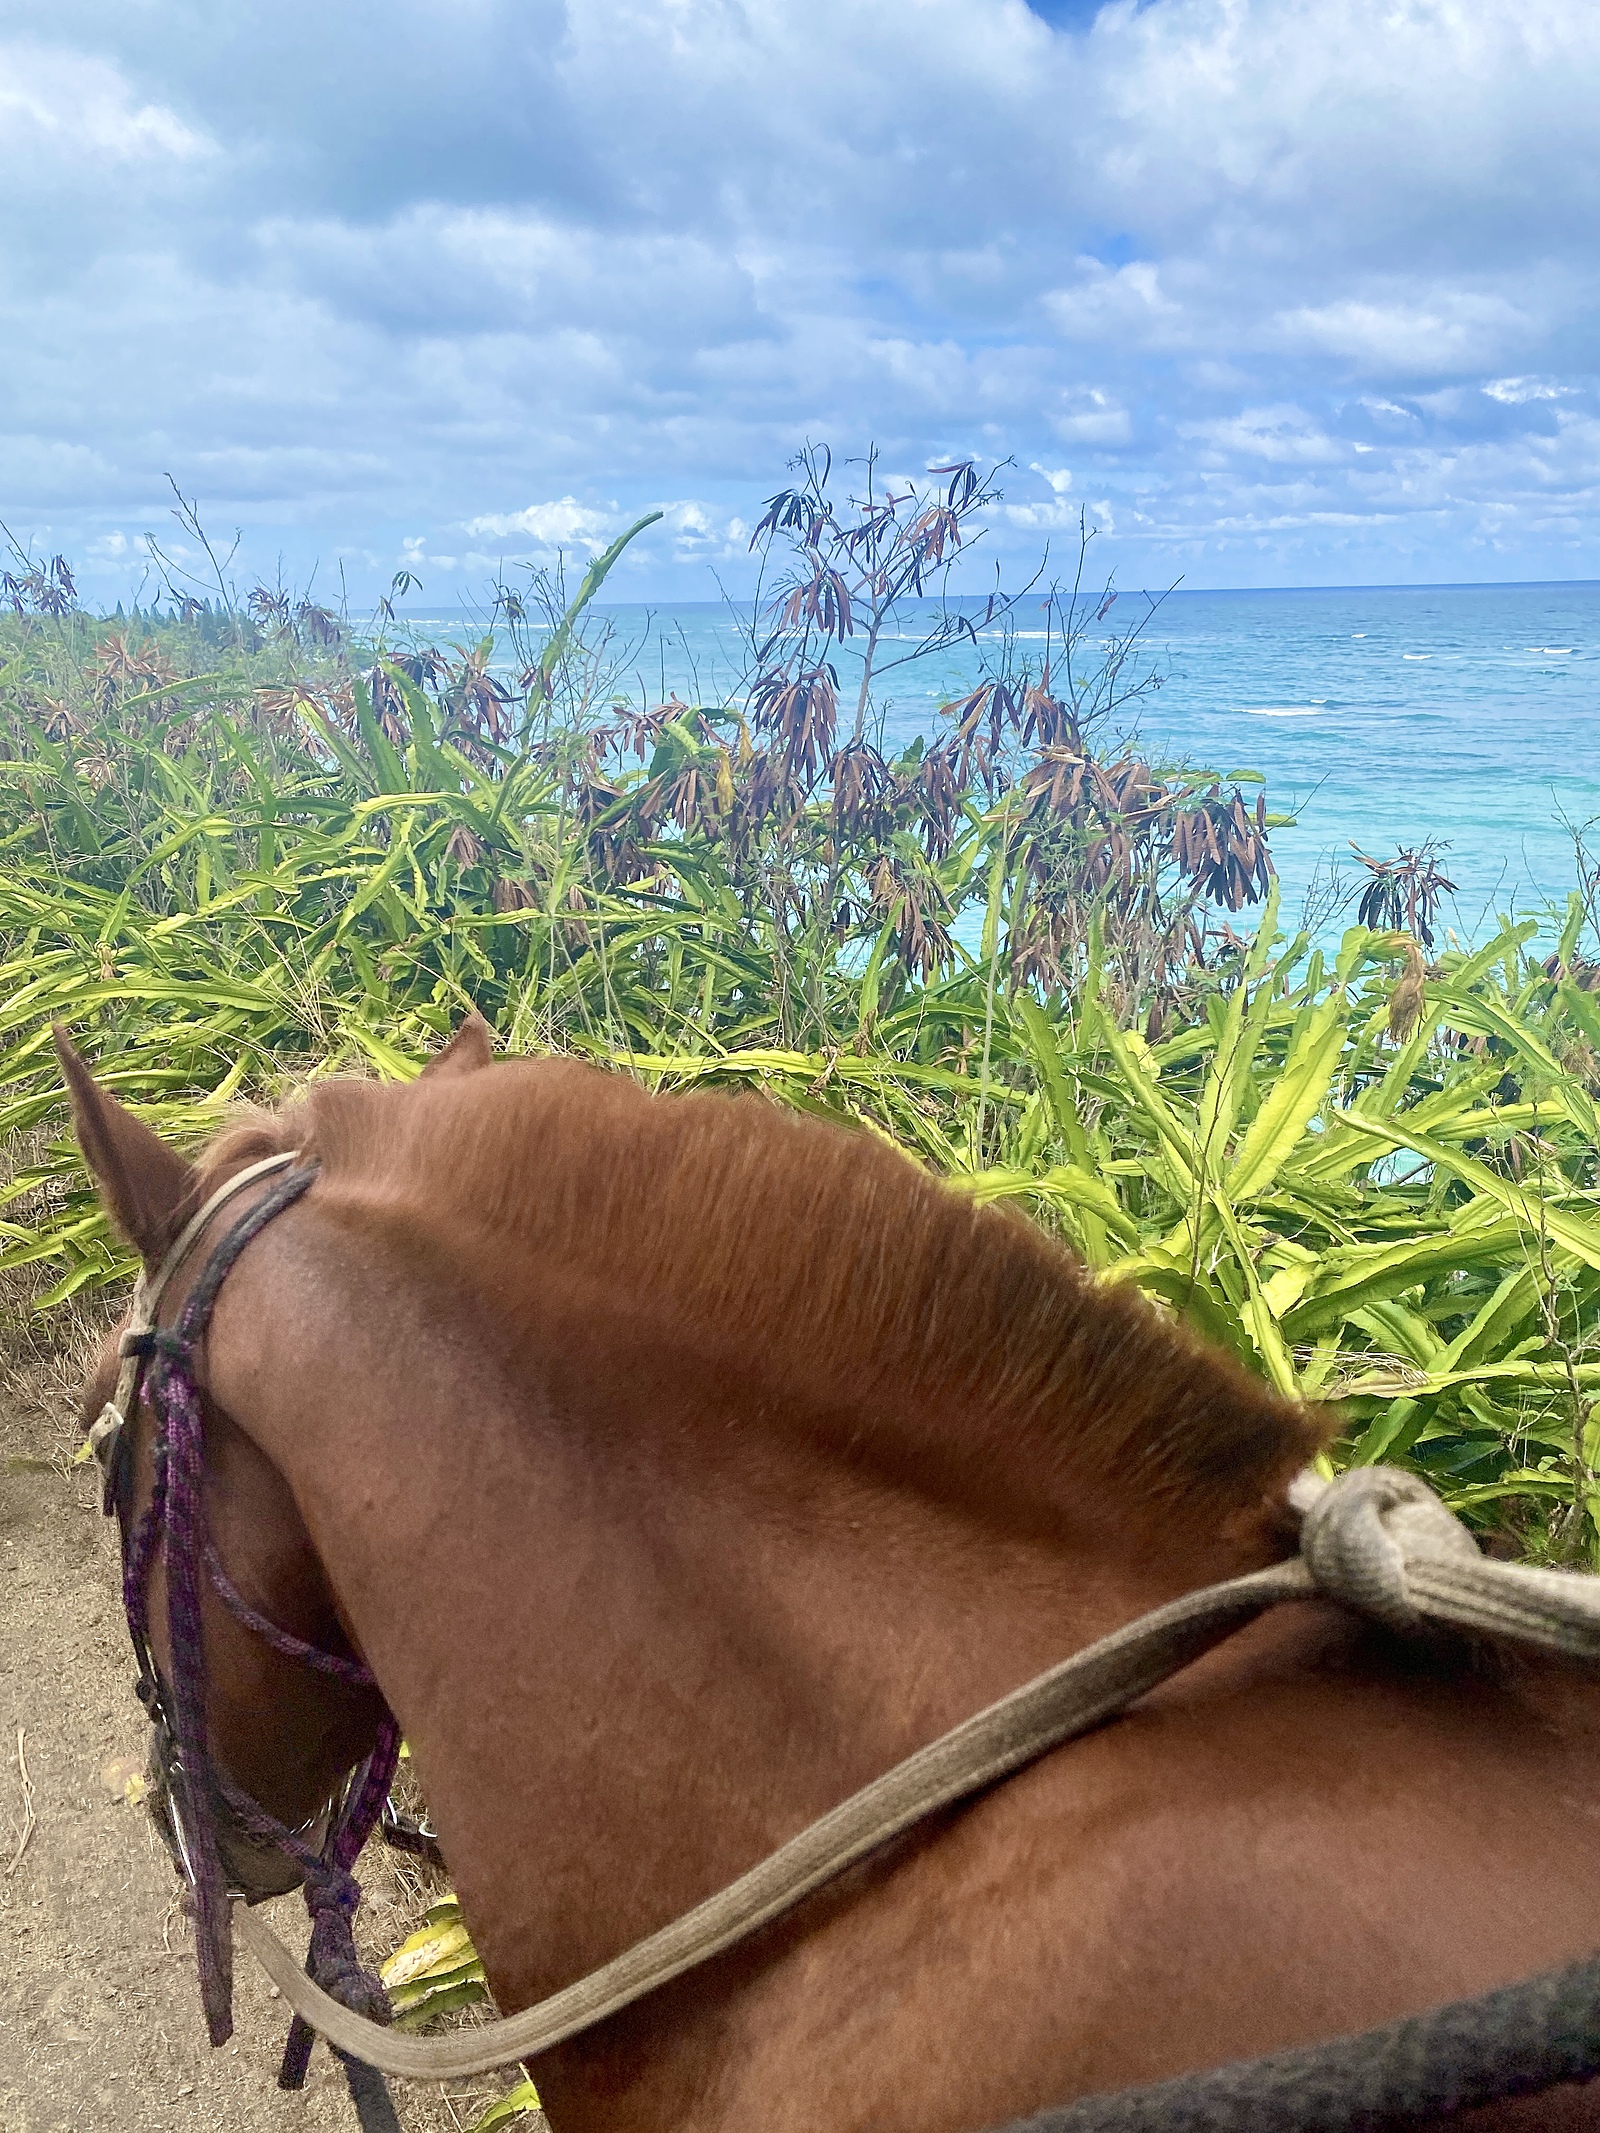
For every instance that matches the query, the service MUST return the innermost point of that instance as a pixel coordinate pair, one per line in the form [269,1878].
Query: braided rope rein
[175,1521]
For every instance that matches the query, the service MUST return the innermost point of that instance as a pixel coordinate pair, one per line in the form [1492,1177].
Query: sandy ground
[99,2016]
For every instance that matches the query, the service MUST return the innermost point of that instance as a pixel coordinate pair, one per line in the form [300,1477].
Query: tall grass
[230,862]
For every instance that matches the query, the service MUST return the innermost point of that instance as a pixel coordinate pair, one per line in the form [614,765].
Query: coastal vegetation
[242,844]
[239,846]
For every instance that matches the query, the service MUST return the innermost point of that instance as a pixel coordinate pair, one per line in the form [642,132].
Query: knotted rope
[1355,1540]
[332,1892]
[1376,1540]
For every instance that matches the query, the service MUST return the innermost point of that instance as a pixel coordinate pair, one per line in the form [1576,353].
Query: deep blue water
[1467,714]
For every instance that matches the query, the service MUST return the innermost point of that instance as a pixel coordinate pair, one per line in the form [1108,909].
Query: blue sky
[1279,291]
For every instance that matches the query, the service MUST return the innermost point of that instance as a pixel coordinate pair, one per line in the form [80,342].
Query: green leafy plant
[522,2101]
[434,1970]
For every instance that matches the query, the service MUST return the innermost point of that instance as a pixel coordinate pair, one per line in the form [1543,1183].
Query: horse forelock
[824,1252]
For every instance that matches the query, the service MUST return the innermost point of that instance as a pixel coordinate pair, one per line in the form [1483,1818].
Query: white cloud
[1516,392]
[1226,256]
[75,107]
[563,524]
[1460,330]
[1056,514]
[415,556]
[1092,418]
[1118,305]
[698,533]
[1285,435]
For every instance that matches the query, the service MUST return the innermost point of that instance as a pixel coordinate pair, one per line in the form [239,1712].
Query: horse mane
[824,1251]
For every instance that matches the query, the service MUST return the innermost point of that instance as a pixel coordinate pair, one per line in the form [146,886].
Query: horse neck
[641,1615]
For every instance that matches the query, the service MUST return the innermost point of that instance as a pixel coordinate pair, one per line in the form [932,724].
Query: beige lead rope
[1376,1540]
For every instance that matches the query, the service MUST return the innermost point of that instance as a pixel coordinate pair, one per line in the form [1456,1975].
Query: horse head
[245,1784]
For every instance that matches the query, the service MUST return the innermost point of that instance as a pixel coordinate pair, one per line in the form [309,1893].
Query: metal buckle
[106,1436]
[170,1809]
[168,1785]
[403,1833]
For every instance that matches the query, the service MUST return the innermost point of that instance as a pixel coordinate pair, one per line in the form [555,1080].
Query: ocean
[1378,717]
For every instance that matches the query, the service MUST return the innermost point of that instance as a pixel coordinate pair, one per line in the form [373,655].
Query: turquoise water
[1463,713]
[1468,714]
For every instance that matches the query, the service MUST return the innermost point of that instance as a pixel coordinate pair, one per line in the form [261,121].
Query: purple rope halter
[175,1519]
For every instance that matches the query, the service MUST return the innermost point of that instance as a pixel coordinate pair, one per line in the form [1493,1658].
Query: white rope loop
[1360,1534]
[1380,1541]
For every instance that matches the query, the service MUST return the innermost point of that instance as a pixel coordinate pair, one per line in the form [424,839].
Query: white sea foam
[1416,655]
[1551,651]
[1356,636]
[1284,710]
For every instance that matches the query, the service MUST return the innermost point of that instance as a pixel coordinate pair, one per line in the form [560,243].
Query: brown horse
[677,1465]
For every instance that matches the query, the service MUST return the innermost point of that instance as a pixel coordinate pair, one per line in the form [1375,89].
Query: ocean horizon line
[431,612]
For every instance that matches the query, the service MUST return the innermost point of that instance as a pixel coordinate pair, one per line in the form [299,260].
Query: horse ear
[144,1186]
[471,1047]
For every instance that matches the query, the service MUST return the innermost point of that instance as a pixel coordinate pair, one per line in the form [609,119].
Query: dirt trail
[99,2017]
